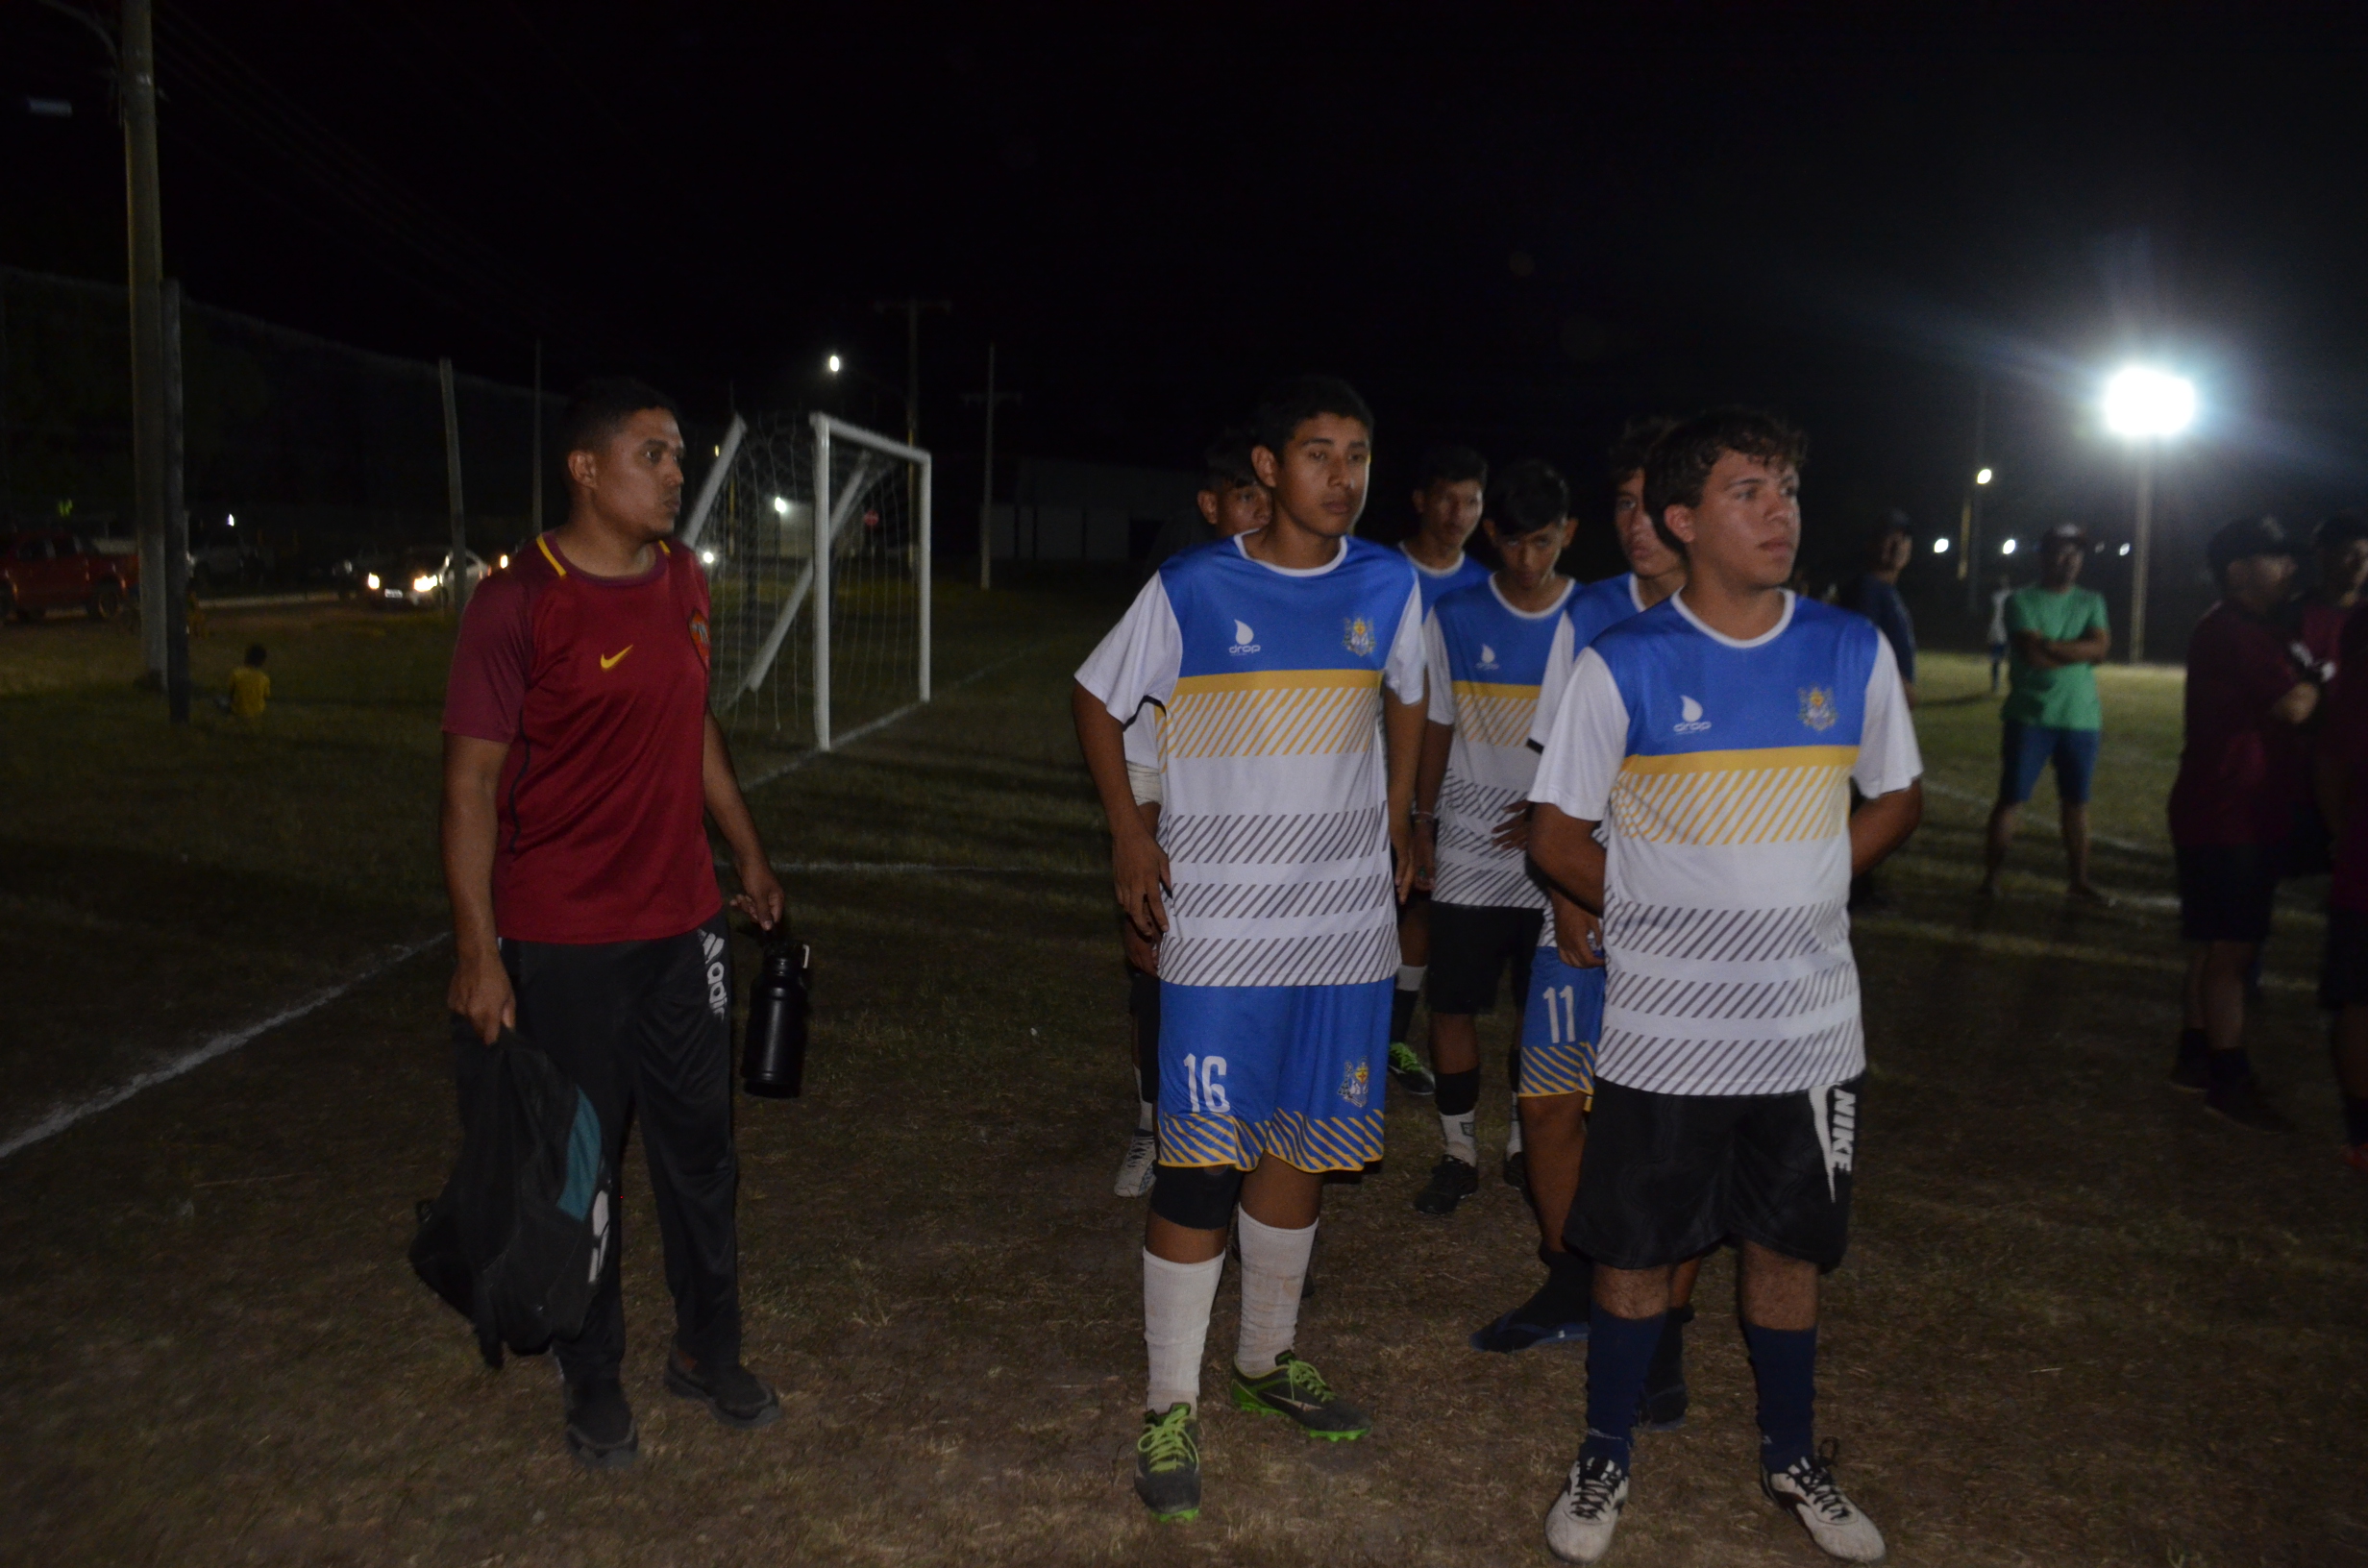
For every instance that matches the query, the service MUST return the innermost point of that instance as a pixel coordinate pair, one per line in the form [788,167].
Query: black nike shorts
[2343,975]
[1471,946]
[1668,1177]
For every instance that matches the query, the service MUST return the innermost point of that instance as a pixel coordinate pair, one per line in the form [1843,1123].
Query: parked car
[50,569]
[418,580]
[228,566]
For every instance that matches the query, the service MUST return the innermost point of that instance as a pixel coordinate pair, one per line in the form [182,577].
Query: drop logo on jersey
[1689,717]
[1817,710]
[1360,642]
[1357,1085]
[1245,640]
[1488,658]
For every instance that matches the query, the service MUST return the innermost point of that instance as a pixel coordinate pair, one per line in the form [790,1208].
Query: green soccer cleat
[1298,1392]
[1167,1465]
[1406,1069]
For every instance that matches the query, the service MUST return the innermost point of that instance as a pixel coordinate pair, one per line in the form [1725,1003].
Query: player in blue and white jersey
[1713,739]
[1447,509]
[1487,649]
[1289,664]
[1231,502]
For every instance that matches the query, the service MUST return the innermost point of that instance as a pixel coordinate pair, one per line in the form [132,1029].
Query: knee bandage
[1196,1197]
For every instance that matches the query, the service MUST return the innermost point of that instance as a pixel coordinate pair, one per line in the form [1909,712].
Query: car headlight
[371,580]
[423,585]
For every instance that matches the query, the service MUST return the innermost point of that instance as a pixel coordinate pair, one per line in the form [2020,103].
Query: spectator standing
[2241,774]
[2342,786]
[2002,589]
[1875,595]
[2058,635]
[2339,548]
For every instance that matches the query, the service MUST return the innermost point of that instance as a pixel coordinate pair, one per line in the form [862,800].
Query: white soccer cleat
[1136,1170]
[1578,1527]
[1808,1488]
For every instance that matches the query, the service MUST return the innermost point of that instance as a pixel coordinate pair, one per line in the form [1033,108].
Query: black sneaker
[1298,1392]
[1407,1071]
[600,1425]
[1451,1182]
[1516,1170]
[732,1392]
[2190,1071]
[2242,1104]
[1167,1465]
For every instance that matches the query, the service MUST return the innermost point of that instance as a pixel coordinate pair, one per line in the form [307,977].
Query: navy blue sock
[2355,1121]
[1784,1365]
[1619,1352]
[1403,1011]
[2229,1068]
[2192,1044]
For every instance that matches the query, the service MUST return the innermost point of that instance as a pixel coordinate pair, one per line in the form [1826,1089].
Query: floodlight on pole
[2145,407]
[1984,477]
[1940,546]
[832,364]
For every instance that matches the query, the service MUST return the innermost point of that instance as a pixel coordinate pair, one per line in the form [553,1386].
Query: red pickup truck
[50,569]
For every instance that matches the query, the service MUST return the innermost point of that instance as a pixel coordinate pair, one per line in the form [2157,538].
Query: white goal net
[811,644]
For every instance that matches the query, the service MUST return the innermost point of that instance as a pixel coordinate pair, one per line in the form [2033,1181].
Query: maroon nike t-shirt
[599,688]
[2241,773]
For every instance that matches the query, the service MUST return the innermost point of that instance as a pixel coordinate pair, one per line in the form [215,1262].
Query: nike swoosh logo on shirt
[608,661]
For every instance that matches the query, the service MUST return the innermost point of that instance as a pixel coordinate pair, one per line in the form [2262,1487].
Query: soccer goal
[815,535]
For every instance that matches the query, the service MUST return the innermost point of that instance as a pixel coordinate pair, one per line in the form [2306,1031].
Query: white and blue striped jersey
[1722,771]
[1486,661]
[1270,681]
[1437,584]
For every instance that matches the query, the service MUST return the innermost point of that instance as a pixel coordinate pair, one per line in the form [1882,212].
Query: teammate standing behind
[1231,502]
[1564,1016]
[1281,658]
[1447,509]
[2342,786]
[1714,738]
[2058,636]
[2241,776]
[1486,648]
[578,759]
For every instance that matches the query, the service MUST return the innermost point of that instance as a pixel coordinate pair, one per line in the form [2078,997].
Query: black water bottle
[772,1063]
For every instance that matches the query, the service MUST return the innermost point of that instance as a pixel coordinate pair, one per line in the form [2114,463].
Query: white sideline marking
[881,722]
[63,1116]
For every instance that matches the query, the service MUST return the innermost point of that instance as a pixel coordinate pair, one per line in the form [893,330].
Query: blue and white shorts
[1292,1071]
[1562,1021]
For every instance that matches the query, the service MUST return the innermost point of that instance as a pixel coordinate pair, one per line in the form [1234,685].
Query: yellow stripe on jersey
[1781,795]
[1493,713]
[1273,713]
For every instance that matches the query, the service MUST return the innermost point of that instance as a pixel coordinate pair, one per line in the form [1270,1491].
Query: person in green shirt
[2058,636]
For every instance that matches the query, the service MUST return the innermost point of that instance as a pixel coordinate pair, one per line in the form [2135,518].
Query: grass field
[2081,1322]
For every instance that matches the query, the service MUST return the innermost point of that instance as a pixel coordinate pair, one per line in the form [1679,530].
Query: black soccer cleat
[1451,1182]
[1407,1071]
[1296,1391]
[600,1425]
[1516,1170]
[736,1394]
[1167,1465]
[2243,1104]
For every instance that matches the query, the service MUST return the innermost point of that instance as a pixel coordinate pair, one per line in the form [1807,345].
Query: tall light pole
[2145,407]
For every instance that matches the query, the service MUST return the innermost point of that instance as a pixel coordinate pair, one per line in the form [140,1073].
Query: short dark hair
[1226,465]
[1294,402]
[2340,529]
[1633,444]
[1528,496]
[2242,540]
[255,654]
[598,407]
[1449,463]
[1681,461]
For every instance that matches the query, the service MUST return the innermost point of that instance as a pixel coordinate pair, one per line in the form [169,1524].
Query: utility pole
[986,496]
[1969,565]
[176,518]
[534,521]
[456,571]
[144,232]
[2141,542]
[912,309]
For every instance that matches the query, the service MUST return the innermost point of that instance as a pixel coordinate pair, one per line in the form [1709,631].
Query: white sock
[1461,1141]
[1513,1139]
[1147,1116]
[1176,1298]
[1273,1269]
[1410,976]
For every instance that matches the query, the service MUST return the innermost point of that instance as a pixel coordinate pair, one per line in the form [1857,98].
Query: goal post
[812,517]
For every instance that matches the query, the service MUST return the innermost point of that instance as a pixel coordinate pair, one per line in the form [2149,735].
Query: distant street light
[1984,477]
[2007,548]
[1940,547]
[832,364]
[2145,407]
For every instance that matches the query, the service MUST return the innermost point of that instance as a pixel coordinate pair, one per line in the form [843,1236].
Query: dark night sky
[1505,230]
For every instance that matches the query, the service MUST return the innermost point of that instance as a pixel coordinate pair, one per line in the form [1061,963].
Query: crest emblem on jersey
[698,636]
[1358,1083]
[1689,717]
[1817,710]
[1360,642]
[1488,657]
[1245,640]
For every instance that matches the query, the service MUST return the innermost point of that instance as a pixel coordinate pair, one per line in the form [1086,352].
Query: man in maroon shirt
[2241,775]
[2342,768]
[579,760]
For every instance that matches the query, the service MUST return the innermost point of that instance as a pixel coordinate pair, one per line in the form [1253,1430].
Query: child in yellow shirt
[249,687]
